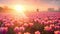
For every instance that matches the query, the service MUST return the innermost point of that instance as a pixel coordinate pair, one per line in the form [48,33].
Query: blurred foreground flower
[56,32]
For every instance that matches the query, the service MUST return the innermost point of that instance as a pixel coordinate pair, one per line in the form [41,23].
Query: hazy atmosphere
[33,3]
[29,16]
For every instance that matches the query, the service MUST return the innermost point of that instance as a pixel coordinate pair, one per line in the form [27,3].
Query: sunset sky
[32,4]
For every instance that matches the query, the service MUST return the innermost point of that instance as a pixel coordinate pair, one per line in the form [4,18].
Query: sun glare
[18,8]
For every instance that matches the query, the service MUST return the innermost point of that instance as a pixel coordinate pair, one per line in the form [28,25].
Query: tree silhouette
[1,9]
[37,10]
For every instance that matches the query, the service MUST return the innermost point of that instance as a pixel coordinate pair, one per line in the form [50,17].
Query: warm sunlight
[18,8]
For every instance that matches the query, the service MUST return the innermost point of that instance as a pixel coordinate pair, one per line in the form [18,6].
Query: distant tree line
[4,9]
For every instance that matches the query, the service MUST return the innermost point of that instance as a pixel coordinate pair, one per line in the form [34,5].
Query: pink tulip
[47,28]
[7,24]
[31,24]
[37,32]
[59,21]
[3,28]
[25,24]
[52,25]
[16,29]
[57,27]
[22,28]
[19,33]
[27,33]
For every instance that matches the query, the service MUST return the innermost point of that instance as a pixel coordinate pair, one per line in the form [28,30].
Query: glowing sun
[18,8]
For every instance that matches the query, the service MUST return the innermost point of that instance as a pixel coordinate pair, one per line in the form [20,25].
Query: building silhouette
[51,9]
